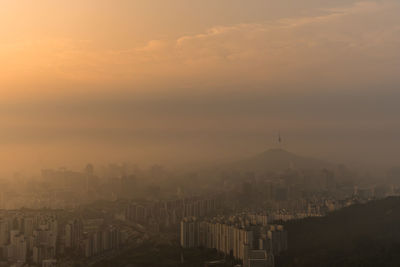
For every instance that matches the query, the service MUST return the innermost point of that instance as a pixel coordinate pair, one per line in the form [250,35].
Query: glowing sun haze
[148,80]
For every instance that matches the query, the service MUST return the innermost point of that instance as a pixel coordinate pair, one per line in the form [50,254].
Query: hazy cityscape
[232,214]
[188,133]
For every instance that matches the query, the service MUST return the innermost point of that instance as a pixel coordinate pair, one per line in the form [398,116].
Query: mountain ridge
[359,235]
[278,160]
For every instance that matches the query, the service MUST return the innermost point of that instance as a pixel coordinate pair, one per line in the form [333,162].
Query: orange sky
[153,43]
[97,66]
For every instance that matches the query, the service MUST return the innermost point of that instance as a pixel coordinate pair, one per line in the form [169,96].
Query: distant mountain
[360,235]
[278,160]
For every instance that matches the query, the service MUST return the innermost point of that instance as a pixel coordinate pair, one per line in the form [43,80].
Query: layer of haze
[187,81]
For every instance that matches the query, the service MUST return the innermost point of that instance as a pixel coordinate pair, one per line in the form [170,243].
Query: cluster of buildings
[248,238]
[311,207]
[102,240]
[170,213]
[46,238]
[91,237]
[29,237]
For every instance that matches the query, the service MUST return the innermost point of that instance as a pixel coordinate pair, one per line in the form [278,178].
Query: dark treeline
[360,235]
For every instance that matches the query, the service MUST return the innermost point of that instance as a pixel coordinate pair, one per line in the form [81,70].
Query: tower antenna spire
[280,140]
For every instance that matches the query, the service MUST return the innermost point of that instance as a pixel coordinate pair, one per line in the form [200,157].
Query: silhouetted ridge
[360,235]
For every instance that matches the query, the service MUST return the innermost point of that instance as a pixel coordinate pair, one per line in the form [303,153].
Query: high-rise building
[41,253]
[73,234]
[244,237]
[4,233]
[190,233]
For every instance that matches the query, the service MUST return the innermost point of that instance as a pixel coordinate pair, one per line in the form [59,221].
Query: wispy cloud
[336,41]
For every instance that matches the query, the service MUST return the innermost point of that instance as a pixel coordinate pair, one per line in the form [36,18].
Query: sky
[181,81]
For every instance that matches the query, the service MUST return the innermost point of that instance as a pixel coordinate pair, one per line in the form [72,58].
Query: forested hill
[360,235]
